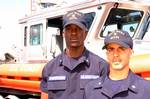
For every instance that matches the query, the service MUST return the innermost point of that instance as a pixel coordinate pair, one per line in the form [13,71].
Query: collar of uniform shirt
[129,84]
[84,58]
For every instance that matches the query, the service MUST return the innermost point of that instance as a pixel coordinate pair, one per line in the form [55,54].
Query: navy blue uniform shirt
[134,87]
[65,77]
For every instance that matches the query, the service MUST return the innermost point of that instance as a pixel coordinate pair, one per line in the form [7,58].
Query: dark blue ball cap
[120,37]
[75,17]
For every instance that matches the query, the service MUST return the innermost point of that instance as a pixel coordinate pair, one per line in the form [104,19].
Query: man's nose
[115,53]
[74,32]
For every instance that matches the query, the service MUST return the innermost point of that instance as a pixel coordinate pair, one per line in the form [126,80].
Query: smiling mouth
[116,63]
[74,40]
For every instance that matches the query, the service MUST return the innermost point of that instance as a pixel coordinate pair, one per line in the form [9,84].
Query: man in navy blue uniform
[66,76]
[121,82]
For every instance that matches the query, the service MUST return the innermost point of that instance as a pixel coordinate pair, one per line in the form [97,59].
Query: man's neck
[118,74]
[75,52]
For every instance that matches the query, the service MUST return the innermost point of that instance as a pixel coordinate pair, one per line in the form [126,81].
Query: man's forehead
[72,25]
[111,45]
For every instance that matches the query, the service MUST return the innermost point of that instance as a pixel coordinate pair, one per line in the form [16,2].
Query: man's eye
[122,48]
[109,49]
[67,29]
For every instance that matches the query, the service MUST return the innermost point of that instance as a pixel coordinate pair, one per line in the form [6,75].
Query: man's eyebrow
[121,47]
[109,48]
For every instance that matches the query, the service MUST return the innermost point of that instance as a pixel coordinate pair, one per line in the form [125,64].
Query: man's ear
[63,33]
[132,52]
[86,32]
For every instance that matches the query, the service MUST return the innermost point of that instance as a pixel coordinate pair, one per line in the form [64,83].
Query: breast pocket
[83,84]
[57,85]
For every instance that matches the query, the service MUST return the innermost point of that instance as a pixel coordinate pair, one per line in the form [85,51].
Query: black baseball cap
[75,17]
[120,37]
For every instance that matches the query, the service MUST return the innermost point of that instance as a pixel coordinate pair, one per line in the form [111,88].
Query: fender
[140,64]
[21,76]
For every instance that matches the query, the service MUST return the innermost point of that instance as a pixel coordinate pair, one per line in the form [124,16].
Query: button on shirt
[134,87]
[65,77]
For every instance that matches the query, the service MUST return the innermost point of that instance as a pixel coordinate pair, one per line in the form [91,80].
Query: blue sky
[10,12]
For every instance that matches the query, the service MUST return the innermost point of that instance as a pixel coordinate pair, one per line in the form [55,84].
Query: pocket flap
[57,85]
[84,79]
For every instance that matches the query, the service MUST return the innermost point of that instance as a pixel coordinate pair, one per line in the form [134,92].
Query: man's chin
[117,66]
[74,45]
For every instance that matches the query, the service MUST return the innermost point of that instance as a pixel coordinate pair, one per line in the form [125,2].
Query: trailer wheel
[1,97]
[11,97]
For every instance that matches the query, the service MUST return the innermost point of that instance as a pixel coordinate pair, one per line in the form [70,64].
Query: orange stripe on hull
[20,84]
[140,63]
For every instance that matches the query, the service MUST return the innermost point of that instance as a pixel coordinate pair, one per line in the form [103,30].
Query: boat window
[123,19]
